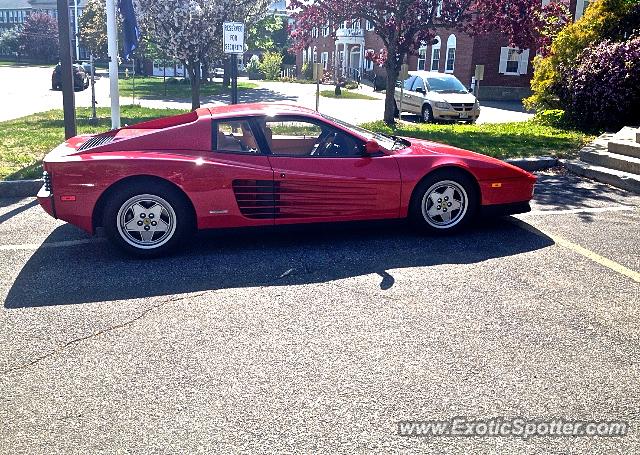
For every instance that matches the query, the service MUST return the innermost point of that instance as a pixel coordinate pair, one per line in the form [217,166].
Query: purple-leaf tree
[403,25]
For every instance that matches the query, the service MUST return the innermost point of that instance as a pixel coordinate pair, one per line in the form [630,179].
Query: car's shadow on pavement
[94,272]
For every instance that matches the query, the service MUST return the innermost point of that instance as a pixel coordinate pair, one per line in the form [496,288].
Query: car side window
[418,83]
[298,137]
[234,136]
[408,83]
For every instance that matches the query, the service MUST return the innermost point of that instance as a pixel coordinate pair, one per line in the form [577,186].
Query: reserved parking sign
[233,37]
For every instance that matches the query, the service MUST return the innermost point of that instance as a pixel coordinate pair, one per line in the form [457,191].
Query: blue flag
[130,29]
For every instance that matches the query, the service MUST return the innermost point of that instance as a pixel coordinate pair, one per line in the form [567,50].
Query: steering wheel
[324,144]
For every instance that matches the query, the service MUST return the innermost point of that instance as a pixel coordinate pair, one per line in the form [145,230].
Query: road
[319,339]
[27,90]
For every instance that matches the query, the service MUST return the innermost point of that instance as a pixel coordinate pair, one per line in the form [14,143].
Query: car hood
[420,147]
[452,97]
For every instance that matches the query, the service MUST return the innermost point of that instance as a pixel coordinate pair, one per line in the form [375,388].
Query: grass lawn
[500,140]
[347,95]
[152,88]
[13,63]
[25,141]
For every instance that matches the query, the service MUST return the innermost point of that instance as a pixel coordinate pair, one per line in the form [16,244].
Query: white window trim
[580,7]
[436,47]
[452,43]
[523,62]
[369,25]
[422,57]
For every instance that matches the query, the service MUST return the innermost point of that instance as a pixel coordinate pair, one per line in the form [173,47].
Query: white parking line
[61,244]
[615,208]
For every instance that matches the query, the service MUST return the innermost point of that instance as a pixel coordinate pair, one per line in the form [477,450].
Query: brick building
[507,70]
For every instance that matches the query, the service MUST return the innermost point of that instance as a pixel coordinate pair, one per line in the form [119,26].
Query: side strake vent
[256,198]
[96,141]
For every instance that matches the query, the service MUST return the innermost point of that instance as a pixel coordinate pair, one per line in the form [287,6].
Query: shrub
[172,80]
[350,85]
[271,65]
[551,117]
[253,68]
[601,19]
[604,87]
[306,72]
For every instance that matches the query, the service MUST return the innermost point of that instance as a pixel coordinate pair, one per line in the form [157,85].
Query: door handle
[282,175]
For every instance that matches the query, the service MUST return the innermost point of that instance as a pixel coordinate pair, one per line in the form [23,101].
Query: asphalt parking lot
[320,339]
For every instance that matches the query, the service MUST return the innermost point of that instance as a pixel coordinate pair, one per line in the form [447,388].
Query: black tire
[437,183]
[175,212]
[427,114]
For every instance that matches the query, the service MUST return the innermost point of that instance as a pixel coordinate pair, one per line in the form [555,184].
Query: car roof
[256,109]
[423,73]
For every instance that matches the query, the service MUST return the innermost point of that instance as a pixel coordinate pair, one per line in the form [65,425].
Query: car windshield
[445,84]
[385,141]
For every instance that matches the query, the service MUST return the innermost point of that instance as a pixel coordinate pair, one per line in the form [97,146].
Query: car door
[404,94]
[417,95]
[237,179]
[321,173]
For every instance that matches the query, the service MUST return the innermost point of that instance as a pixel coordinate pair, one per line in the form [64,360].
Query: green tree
[602,19]
[92,27]
[271,65]
[10,40]
[39,36]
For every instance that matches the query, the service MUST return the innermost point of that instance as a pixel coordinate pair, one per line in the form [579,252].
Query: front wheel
[147,219]
[445,201]
[427,114]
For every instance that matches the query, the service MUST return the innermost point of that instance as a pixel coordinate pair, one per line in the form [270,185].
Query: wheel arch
[98,209]
[450,167]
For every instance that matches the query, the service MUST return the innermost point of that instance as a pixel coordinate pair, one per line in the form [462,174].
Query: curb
[538,163]
[20,188]
[29,188]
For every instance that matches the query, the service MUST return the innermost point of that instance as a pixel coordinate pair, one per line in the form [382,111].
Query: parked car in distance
[218,72]
[151,185]
[436,96]
[80,78]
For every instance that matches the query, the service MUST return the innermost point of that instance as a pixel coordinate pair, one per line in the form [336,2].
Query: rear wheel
[147,219]
[445,201]
[427,114]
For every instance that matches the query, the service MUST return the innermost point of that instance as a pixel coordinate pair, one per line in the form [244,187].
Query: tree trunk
[194,75]
[389,101]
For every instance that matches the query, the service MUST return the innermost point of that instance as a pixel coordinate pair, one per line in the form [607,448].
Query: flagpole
[112,49]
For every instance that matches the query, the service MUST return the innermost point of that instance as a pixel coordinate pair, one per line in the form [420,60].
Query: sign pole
[93,90]
[112,49]
[234,79]
[66,70]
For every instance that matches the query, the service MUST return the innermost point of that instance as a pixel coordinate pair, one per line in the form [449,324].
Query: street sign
[479,72]
[318,69]
[233,37]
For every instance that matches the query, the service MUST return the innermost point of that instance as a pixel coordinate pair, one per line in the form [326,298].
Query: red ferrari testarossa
[152,184]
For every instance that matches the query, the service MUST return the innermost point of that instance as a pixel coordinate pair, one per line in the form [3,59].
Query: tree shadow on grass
[281,256]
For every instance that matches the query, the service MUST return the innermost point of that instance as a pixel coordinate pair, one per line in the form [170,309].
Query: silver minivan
[437,96]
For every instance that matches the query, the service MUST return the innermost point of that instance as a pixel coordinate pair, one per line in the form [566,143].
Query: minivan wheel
[427,114]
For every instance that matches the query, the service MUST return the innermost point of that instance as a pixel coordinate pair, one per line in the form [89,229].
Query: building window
[355,24]
[513,61]
[451,54]
[315,55]
[314,32]
[422,58]
[369,25]
[435,55]
[324,58]
[325,29]
[439,9]
[581,7]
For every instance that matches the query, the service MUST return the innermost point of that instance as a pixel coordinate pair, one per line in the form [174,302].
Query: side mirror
[420,90]
[371,147]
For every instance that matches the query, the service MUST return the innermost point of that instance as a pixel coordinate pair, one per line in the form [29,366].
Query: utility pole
[93,90]
[75,23]
[112,49]
[66,70]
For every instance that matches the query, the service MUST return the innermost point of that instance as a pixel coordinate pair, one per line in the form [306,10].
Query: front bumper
[454,115]
[511,208]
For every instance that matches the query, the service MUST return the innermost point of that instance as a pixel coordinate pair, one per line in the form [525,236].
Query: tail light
[47,181]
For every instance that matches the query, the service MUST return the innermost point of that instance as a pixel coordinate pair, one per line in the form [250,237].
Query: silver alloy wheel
[444,204]
[426,115]
[146,221]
